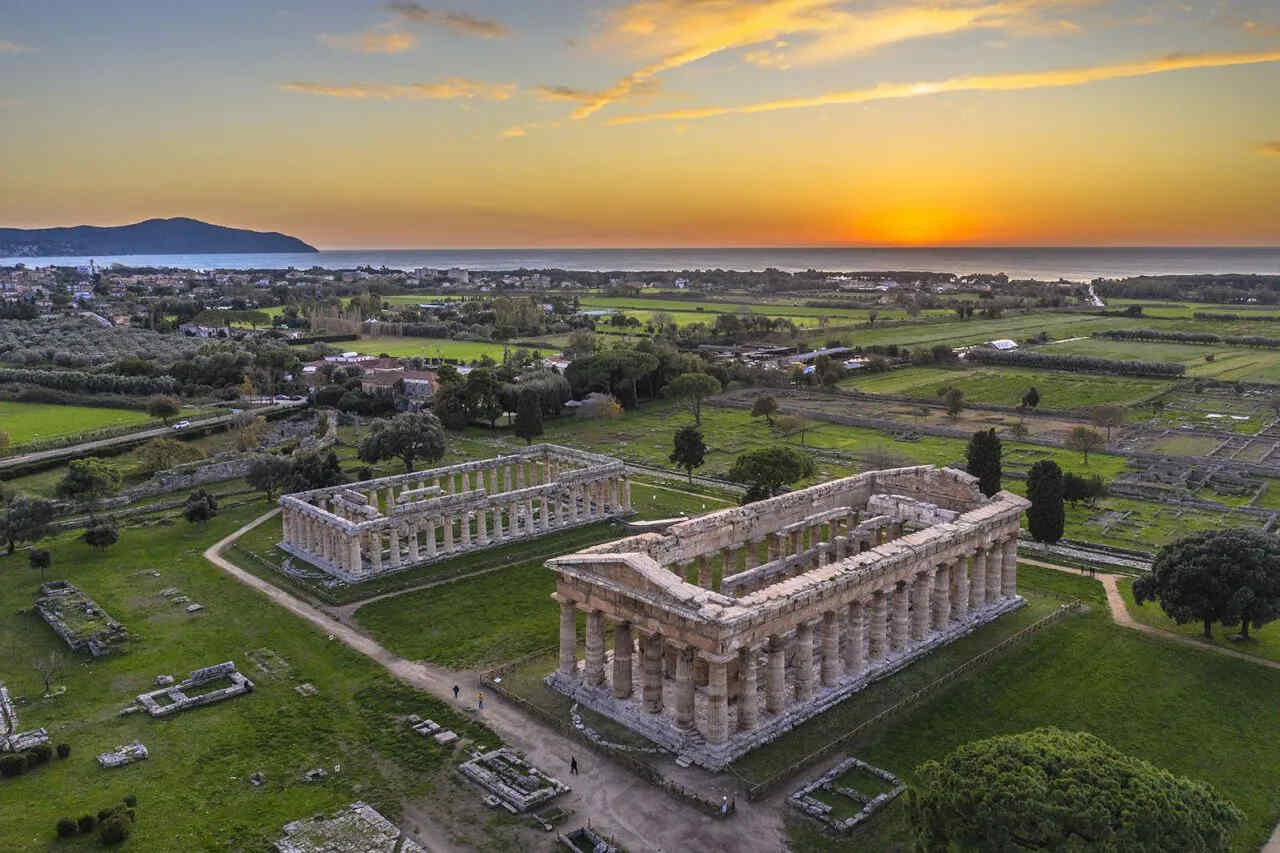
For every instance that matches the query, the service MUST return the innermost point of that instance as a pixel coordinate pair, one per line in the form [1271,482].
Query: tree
[529,415]
[1226,576]
[767,470]
[765,407]
[1031,398]
[101,533]
[160,454]
[483,394]
[88,479]
[249,430]
[268,473]
[450,406]
[982,460]
[200,507]
[689,450]
[600,407]
[692,389]
[1107,416]
[25,519]
[1046,517]
[49,666]
[792,424]
[1018,429]
[1083,439]
[409,436]
[954,400]
[39,560]
[1054,790]
[315,470]
[163,407]
[1076,488]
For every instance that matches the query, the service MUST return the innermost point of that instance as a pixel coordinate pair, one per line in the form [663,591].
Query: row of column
[782,546]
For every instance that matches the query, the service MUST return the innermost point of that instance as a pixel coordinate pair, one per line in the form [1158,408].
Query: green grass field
[26,422]
[425,347]
[1229,363]
[1005,387]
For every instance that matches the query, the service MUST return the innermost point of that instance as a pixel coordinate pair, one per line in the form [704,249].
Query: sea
[1045,264]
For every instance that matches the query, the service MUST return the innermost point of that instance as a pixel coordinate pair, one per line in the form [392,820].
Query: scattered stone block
[316,774]
[445,738]
[164,680]
[257,780]
[519,785]
[194,608]
[306,688]
[169,591]
[426,727]
[359,828]
[123,755]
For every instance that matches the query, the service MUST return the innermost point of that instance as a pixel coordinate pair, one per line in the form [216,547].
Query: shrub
[13,764]
[87,823]
[103,814]
[39,754]
[66,827]
[115,829]
[131,801]
[64,750]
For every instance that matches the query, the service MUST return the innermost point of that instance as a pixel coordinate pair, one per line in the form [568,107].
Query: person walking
[480,700]
[455,692]
[573,766]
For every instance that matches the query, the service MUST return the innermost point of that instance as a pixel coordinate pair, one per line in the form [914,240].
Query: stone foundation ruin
[829,785]
[78,620]
[12,740]
[840,584]
[370,528]
[122,755]
[517,783]
[199,689]
[359,828]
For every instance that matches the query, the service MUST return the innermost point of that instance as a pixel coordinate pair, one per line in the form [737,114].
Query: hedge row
[1258,341]
[1080,363]
[92,383]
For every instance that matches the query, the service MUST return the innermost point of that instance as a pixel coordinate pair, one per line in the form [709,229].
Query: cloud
[518,131]
[976,83]
[1271,148]
[447,89]
[377,40]
[684,31]
[7,46]
[642,89]
[458,22]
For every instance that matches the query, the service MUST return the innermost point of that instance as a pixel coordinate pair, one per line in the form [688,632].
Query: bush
[39,754]
[66,827]
[87,823]
[13,764]
[131,801]
[115,829]
[64,750]
[103,814]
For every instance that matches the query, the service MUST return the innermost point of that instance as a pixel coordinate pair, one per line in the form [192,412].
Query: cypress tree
[529,415]
[982,459]
[1046,517]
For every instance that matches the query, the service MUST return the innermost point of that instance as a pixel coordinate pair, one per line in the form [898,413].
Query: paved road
[86,449]
[614,799]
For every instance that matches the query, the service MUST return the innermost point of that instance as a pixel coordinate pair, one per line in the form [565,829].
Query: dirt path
[615,800]
[1121,616]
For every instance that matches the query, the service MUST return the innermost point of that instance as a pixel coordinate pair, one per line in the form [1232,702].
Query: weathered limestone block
[622,660]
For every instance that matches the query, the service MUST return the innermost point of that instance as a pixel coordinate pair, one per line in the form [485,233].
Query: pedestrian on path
[573,766]
[456,688]
[480,700]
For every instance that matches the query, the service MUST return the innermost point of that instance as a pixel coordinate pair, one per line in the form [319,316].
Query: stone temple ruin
[202,688]
[842,584]
[359,828]
[370,528]
[78,620]
[517,784]
[11,739]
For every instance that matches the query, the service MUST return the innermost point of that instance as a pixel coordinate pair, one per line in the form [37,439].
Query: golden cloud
[372,41]
[976,83]
[1271,148]
[458,22]
[450,88]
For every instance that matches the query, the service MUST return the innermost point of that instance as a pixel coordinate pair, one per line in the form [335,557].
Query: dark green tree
[163,407]
[408,436]
[315,470]
[25,519]
[269,473]
[765,407]
[450,406]
[691,389]
[1083,439]
[982,460]
[39,559]
[766,471]
[1053,790]
[483,394]
[1031,398]
[528,415]
[689,449]
[88,479]
[200,507]
[1046,517]
[101,533]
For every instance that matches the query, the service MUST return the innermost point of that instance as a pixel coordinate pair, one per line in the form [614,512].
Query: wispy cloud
[643,89]
[458,22]
[977,83]
[7,46]
[684,31]
[1271,149]
[377,40]
[448,89]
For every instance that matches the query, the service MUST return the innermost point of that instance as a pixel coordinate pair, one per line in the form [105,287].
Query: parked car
[181,425]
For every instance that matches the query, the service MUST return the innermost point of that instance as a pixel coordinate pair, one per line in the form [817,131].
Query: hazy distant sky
[650,123]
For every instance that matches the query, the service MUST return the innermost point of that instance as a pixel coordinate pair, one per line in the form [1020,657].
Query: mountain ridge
[174,236]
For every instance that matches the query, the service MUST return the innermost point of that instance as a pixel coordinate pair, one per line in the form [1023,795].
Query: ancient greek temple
[731,628]
[369,528]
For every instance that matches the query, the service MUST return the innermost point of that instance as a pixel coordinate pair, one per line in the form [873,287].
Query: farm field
[1005,387]
[955,332]
[404,347]
[1228,363]
[27,422]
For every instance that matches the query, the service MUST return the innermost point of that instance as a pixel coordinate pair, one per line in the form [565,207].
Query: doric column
[855,660]
[482,525]
[772,546]
[898,628]
[594,674]
[573,502]
[846,637]
[464,527]
[960,590]
[520,474]
[568,638]
[804,662]
[653,673]
[528,516]
[506,478]
[878,630]
[431,537]
[622,660]
[995,558]
[941,598]
[684,688]
[978,580]
[775,685]
[626,490]
[921,590]
[749,701]
[822,553]
[717,700]
[1009,569]
[375,549]
[545,507]
[448,534]
[395,547]
[704,571]
[830,649]
[414,553]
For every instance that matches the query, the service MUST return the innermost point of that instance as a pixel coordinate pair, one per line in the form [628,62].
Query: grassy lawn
[1195,714]
[427,347]
[193,792]
[26,422]
[1228,363]
[1005,387]
[1263,642]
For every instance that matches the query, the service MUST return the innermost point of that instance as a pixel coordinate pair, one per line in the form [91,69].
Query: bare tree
[1107,416]
[49,667]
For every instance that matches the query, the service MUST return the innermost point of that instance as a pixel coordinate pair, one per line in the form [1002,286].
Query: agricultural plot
[1005,387]
[401,347]
[27,422]
[1211,362]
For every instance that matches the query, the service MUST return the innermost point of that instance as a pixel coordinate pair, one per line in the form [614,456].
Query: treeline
[1257,341]
[1227,318]
[1083,363]
[1254,289]
[90,383]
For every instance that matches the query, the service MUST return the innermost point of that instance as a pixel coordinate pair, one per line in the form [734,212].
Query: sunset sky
[513,123]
